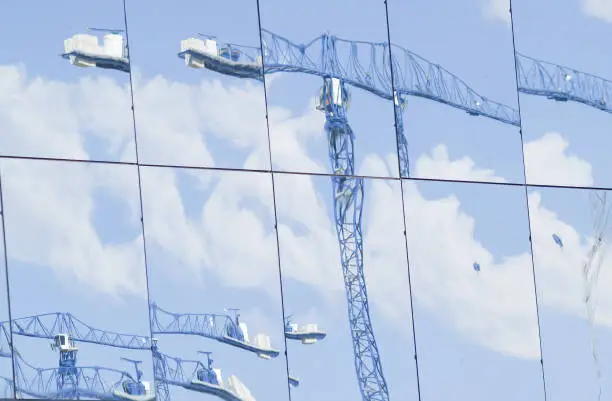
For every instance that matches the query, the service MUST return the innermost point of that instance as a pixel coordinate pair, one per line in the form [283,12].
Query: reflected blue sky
[75,240]
[83,116]
[457,307]
[207,268]
[96,275]
[191,116]
[568,337]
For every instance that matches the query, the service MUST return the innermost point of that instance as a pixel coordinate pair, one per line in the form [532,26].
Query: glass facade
[269,200]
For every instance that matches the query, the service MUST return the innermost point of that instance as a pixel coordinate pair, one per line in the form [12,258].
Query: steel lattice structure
[557,82]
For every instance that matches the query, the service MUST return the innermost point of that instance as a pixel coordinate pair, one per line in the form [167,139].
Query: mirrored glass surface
[473,294]
[565,91]
[454,69]
[77,279]
[571,248]
[214,284]
[193,105]
[349,114]
[64,81]
[341,345]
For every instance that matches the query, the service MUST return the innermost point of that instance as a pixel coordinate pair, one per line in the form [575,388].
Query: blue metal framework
[361,64]
[72,380]
[348,206]
[56,383]
[49,325]
[402,142]
[189,374]
[364,65]
[563,84]
[222,328]
[560,83]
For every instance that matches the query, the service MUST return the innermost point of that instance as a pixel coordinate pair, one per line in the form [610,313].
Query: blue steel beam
[361,64]
[214,326]
[402,142]
[560,83]
[50,324]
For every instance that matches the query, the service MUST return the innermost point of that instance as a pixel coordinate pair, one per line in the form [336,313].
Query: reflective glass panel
[349,115]
[64,81]
[454,64]
[192,105]
[565,92]
[358,346]
[571,248]
[475,312]
[214,284]
[77,278]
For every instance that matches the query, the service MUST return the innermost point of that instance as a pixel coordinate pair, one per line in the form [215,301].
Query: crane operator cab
[67,353]
[207,373]
[63,343]
[135,389]
[333,94]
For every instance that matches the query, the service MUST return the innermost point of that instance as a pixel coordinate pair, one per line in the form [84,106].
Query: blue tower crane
[366,67]
[63,329]
[220,327]
[342,63]
[560,83]
[88,382]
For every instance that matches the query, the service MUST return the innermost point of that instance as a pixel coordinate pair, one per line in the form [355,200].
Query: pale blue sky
[186,274]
